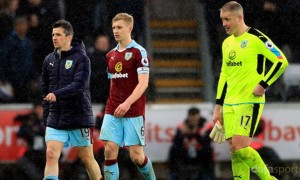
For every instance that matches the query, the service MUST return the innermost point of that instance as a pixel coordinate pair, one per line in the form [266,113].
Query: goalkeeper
[242,84]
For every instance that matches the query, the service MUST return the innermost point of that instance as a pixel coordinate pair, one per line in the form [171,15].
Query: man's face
[230,21]
[60,39]
[194,118]
[102,44]
[121,30]
[22,28]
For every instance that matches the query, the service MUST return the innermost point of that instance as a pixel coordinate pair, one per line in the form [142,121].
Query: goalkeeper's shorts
[241,119]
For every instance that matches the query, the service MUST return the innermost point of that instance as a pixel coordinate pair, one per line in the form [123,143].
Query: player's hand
[259,90]
[50,97]
[121,110]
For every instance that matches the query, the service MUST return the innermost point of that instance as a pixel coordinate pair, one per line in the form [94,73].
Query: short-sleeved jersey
[123,69]
[243,67]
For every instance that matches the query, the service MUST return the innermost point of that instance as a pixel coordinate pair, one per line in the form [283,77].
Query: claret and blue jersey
[123,69]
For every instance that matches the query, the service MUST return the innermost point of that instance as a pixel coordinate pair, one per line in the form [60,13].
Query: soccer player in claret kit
[123,124]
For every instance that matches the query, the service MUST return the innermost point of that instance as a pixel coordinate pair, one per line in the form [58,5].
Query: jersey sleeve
[143,63]
[270,51]
[222,83]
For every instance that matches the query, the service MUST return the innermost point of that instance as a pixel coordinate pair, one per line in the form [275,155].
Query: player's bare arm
[217,116]
[135,95]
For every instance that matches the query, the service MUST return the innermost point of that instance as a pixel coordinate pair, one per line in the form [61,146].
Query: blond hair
[234,7]
[125,17]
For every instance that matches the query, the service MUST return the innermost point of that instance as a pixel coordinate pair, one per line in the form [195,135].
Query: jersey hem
[236,104]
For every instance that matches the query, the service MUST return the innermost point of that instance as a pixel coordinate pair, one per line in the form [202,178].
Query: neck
[242,30]
[124,44]
[67,48]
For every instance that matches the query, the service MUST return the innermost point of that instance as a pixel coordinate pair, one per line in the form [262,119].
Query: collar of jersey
[130,45]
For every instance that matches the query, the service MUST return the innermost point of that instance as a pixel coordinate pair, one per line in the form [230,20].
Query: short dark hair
[66,25]
[193,111]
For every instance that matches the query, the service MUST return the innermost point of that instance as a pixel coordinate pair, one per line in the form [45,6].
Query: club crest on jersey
[244,43]
[128,55]
[68,64]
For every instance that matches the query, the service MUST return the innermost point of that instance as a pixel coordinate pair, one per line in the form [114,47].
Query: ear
[70,37]
[240,17]
[130,29]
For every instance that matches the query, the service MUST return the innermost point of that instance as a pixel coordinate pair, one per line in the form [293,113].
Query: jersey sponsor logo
[244,43]
[118,67]
[117,75]
[232,63]
[232,55]
[128,55]
[68,64]
[145,62]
